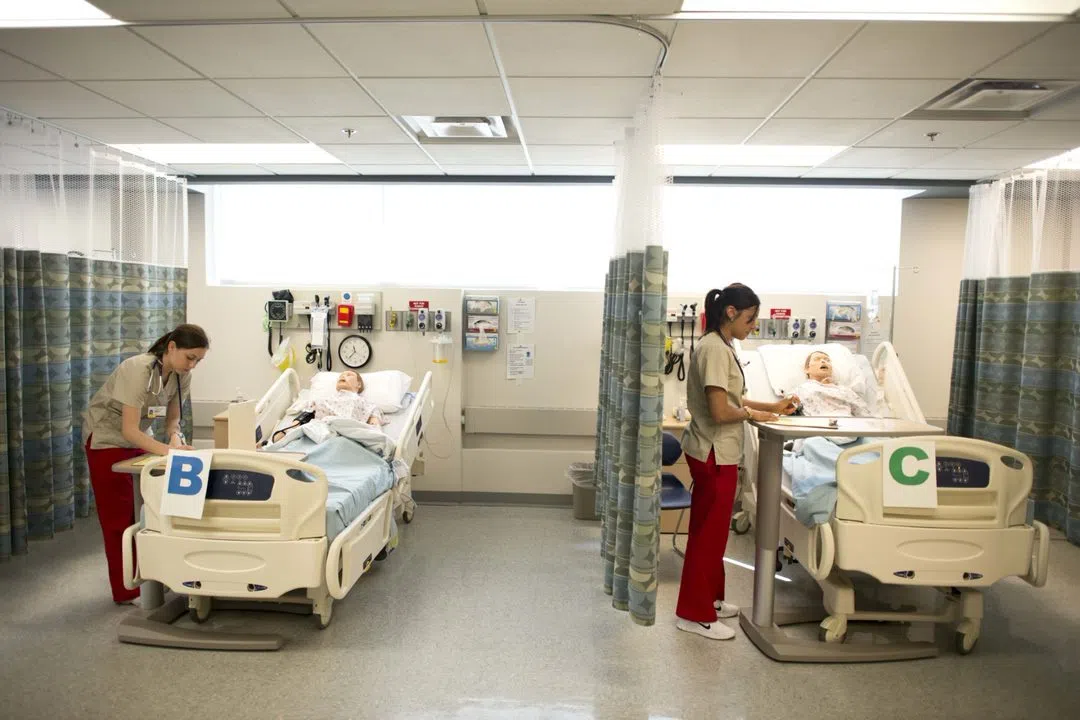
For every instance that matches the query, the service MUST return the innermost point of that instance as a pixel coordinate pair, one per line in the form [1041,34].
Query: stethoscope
[155,371]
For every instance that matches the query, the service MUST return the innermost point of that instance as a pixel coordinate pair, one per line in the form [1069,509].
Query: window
[549,237]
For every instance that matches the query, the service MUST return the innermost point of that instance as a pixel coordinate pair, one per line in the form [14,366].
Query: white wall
[933,239]
[567,340]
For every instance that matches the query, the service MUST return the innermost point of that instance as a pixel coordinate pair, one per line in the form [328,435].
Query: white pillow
[785,365]
[385,388]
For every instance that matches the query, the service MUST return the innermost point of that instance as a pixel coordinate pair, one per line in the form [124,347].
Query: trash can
[582,477]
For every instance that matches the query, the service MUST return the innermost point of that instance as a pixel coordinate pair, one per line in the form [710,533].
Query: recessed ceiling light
[52,13]
[231,154]
[750,155]
[945,10]
[1066,161]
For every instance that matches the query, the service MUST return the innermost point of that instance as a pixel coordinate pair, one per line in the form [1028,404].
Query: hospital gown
[831,400]
[345,404]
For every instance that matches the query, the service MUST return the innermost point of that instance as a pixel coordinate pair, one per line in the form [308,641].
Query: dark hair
[736,295]
[185,336]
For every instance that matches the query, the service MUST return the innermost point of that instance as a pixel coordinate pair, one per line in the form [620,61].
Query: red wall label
[780,313]
[419,304]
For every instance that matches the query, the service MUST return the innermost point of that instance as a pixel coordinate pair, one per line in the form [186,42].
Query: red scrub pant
[710,521]
[115,501]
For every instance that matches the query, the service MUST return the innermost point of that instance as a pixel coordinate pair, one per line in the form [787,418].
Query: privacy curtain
[92,256]
[1016,359]
[631,397]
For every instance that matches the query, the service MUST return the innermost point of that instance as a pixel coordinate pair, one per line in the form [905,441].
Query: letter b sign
[909,474]
[186,477]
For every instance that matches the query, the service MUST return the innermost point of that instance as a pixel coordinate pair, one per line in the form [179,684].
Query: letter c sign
[909,474]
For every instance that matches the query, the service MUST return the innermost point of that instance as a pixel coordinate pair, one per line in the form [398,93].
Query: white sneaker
[713,631]
[725,609]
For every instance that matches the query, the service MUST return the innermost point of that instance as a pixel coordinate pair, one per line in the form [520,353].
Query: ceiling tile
[108,53]
[428,169]
[487,169]
[753,48]
[927,174]
[233,130]
[410,49]
[725,97]
[1036,134]
[706,131]
[983,159]
[574,131]
[367,130]
[572,154]
[1065,108]
[382,8]
[885,99]
[578,97]
[825,172]
[126,130]
[951,133]
[132,10]
[222,169]
[759,171]
[582,7]
[791,131]
[584,50]
[174,98]
[477,154]
[310,169]
[886,157]
[45,99]
[12,68]
[246,51]
[314,97]
[440,96]
[377,154]
[689,170]
[950,50]
[586,170]
[1053,56]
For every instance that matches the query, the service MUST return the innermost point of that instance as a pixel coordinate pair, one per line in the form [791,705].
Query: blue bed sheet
[356,477]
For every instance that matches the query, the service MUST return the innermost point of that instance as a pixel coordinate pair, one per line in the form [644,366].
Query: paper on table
[144,460]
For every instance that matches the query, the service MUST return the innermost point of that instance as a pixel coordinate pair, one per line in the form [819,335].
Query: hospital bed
[976,536]
[274,527]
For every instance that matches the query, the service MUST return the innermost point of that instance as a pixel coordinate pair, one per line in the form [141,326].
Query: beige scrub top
[103,419]
[713,364]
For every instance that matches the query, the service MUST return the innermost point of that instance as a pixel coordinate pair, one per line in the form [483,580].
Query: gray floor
[499,612]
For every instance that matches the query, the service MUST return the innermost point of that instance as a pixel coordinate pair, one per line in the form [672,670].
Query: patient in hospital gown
[820,396]
[347,401]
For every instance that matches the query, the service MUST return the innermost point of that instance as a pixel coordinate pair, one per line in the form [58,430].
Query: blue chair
[673,494]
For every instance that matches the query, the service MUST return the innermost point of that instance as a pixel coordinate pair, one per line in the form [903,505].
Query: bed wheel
[740,524]
[200,613]
[967,635]
[407,515]
[323,619]
[833,629]
[779,559]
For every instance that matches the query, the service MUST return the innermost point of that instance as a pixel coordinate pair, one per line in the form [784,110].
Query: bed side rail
[416,423]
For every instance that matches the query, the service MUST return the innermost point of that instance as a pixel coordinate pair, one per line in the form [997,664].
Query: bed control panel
[239,485]
[962,473]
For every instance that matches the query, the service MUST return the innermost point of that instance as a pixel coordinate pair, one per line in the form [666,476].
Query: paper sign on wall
[187,473]
[522,315]
[519,361]
[909,474]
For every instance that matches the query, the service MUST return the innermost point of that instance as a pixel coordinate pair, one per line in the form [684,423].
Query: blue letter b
[184,479]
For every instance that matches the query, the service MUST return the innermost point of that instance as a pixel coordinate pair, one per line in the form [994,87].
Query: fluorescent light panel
[946,10]
[1066,161]
[231,154]
[750,155]
[52,13]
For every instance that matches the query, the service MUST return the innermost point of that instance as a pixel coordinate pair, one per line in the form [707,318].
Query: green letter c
[896,466]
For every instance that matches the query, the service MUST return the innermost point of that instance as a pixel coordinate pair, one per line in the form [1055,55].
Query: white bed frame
[973,539]
[275,549]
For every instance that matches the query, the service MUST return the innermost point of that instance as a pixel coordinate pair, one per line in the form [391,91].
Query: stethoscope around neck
[155,371]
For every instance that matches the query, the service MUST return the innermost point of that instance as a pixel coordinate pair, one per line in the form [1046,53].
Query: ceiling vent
[470,128]
[992,100]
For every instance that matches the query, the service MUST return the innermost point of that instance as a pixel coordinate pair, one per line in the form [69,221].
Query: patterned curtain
[630,416]
[67,322]
[1016,356]
[1016,381]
